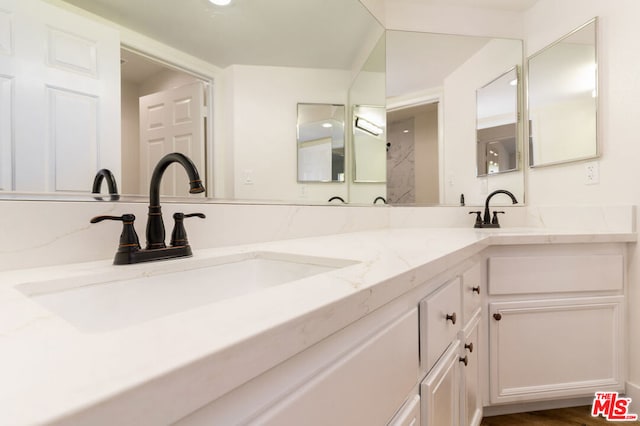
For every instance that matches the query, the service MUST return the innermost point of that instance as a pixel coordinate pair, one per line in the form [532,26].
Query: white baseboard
[498,410]
[633,392]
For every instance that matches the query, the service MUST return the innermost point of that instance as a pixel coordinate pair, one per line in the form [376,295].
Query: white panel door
[440,391]
[541,349]
[172,121]
[59,98]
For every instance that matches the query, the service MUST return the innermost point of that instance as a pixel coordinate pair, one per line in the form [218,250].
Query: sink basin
[100,304]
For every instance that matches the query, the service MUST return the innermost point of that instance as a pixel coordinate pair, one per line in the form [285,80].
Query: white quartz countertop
[157,371]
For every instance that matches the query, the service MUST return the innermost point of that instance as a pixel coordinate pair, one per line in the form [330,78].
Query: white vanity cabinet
[409,414]
[449,342]
[556,322]
[360,375]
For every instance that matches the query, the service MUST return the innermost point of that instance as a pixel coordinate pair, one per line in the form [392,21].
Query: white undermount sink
[97,303]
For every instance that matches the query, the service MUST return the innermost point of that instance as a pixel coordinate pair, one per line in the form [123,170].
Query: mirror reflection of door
[163,111]
[412,157]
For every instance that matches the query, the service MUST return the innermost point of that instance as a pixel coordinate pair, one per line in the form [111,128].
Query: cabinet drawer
[471,289]
[555,274]
[439,322]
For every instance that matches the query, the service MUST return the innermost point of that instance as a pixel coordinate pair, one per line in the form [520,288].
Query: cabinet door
[471,400]
[365,386]
[440,391]
[555,348]
[409,414]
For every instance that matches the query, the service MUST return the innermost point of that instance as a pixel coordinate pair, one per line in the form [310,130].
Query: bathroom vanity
[400,328]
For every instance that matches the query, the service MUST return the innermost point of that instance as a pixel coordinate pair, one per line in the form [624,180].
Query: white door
[439,391]
[542,349]
[172,121]
[59,98]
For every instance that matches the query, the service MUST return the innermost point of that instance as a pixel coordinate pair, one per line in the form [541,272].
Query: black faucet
[381,199]
[129,250]
[155,225]
[336,198]
[487,221]
[105,174]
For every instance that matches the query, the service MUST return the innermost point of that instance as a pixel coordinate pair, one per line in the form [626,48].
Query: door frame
[180,61]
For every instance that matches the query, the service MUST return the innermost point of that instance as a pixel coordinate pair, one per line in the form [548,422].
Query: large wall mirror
[563,99]
[432,111]
[247,70]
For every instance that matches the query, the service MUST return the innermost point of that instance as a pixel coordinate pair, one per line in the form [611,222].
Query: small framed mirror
[369,143]
[497,113]
[320,142]
[563,99]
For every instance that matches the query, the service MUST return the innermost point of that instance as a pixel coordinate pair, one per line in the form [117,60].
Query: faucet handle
[478,219]
[179,234]
[494,219]
[128,238]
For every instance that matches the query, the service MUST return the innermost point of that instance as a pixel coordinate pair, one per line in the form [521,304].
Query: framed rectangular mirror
[320,143]
[497,116]
[563,99]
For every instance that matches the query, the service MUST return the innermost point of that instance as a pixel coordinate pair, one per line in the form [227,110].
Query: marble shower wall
[401,162]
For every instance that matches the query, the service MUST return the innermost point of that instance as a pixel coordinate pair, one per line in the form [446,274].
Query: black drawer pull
[497,317]
[469,346]
[475,289]
[452,318]
[464,360]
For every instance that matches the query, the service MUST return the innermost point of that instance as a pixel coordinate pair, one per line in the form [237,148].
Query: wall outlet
[248,177]
[591,173]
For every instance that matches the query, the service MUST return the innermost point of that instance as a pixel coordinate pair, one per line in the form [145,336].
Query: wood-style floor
[576,416]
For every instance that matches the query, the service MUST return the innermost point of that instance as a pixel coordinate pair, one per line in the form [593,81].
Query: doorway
[145,78]
[413,155]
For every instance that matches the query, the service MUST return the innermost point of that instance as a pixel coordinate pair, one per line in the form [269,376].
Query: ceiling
[506,5]
[296,33]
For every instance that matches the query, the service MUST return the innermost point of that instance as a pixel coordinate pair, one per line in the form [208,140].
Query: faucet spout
[487,215]
[155,226]
[105,174]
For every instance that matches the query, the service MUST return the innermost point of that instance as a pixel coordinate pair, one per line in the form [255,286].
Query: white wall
[130,117]
[619,71]
[494,59]
[263,129]
[427,171]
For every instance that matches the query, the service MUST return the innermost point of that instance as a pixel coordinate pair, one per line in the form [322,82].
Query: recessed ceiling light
[327,125]
[220,2]
[514,82]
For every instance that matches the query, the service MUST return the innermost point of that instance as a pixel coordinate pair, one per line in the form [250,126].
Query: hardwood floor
[577,416]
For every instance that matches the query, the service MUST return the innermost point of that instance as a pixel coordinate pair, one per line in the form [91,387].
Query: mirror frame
[598,148]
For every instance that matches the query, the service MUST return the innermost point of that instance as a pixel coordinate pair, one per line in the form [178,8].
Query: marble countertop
[157,371]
